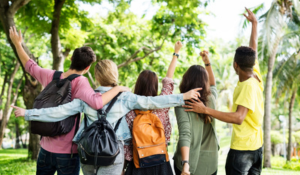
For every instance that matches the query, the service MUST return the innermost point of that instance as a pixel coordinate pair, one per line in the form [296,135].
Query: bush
[297,136]
[276,137]
[292,165]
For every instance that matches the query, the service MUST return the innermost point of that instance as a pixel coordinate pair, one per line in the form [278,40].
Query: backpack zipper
[147,146]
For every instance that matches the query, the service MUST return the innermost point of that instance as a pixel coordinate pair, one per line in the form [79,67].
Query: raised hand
[192,94]
[19,112]
[251,17]
[15,37]
[178,46]
[204,55]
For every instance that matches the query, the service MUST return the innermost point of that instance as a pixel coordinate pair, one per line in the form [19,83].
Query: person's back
[107,74]
[197,147]
[245,155]
[59,148]
[203,144]
[249,93]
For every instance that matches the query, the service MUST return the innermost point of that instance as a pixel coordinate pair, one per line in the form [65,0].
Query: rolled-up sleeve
[85,92]
[44,76]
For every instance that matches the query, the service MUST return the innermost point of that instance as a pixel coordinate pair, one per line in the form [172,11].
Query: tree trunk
[292,102]
[2,93]
[17,145]
[267,117]
[58,56]
[32,87]
[34,139]
[7,109]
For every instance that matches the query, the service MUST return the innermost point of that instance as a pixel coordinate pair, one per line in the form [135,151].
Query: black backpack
[98,143]
[56,93]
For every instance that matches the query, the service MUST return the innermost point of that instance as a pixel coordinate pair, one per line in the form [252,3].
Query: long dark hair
[196,77]
[146,84]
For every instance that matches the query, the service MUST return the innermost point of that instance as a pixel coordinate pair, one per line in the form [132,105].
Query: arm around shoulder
[55,114]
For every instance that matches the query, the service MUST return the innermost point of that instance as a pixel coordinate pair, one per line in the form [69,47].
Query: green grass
[15,162]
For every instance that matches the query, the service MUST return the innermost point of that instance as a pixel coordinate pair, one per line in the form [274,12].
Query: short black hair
[82,58]
[245,58]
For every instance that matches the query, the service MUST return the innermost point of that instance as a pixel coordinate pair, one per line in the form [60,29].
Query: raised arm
[253,39]
[211,76]
[17,39]
[172,65]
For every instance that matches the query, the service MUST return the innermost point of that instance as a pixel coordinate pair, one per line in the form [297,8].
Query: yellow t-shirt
[249,93]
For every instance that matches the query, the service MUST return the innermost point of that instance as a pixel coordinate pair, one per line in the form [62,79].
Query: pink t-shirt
[81,89]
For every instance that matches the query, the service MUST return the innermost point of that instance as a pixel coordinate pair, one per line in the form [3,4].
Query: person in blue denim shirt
[106,73]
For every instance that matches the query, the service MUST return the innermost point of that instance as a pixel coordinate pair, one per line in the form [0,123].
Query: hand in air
[178,46]
[195,106]
[192,94]
[19,112]
[251,17]
[186,169]
[16,38]
[204,55]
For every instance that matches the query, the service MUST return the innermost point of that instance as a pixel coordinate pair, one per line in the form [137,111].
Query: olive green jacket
[201,138]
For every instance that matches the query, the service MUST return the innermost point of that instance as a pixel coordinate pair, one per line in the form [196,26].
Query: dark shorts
[48,163]
[244,162]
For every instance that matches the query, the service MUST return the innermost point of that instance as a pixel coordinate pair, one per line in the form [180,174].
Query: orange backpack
[149,143]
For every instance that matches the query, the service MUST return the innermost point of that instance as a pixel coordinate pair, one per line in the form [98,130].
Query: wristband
[184,161]
[176,54]
[207,64]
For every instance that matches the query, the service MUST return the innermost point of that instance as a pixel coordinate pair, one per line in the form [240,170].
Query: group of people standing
[197,148]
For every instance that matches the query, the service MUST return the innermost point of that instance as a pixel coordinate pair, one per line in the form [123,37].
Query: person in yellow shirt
[245,155]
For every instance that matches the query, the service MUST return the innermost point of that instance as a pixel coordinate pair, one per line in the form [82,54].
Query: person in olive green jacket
[197,148]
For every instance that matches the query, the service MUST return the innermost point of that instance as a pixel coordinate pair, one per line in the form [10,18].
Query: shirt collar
[103,89]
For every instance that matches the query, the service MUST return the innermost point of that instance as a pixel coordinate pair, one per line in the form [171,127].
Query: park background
[139,35]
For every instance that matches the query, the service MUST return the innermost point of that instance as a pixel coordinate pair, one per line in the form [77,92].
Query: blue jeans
[48,163]
[244,162]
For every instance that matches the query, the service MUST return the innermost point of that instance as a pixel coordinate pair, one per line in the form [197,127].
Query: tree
[287,74]
[10,100]
[69,28]
[274,25]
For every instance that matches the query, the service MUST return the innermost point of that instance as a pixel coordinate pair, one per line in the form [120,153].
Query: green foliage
[297,137]
[280,162]
[276,137]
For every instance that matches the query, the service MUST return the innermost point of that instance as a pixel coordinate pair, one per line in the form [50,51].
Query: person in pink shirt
[55,153]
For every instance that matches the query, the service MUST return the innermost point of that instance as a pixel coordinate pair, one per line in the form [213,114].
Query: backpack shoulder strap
[72,77]
[112,103]
[56,75]
[118,124]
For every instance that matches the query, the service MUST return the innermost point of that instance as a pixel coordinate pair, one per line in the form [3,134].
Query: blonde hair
[106,73]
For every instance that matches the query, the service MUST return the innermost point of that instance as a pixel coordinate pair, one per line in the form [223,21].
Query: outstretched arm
[16,39]
[172,66]
[205,58]
[253,39]
[236,117]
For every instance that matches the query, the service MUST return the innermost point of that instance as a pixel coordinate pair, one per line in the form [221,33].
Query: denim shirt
[126,102]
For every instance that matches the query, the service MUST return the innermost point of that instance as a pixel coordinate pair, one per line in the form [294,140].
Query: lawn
[14,162]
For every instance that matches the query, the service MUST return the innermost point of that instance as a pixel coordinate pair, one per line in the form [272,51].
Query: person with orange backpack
[151,130]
